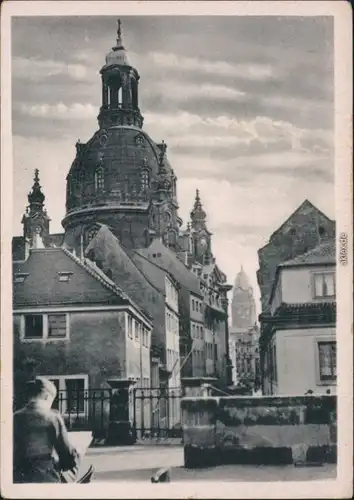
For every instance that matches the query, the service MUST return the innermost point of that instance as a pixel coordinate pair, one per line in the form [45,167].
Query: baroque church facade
[122,208]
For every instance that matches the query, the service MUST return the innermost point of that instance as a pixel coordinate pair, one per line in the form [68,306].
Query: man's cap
[41,386]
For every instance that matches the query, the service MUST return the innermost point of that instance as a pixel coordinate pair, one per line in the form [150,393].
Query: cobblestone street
[138,463]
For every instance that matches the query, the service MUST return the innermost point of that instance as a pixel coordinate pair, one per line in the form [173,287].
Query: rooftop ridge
[156,265]
[104,280]
[104,226]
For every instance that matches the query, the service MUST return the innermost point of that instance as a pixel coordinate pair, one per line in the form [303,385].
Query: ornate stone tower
[35,220]
[164,218]
[243,305]
[199,234]
[115,177]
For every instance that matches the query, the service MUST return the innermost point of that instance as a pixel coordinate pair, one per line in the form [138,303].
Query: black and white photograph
[178,245]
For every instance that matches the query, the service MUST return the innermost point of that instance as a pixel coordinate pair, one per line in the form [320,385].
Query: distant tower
[199,233]
[35,220]
[243,305]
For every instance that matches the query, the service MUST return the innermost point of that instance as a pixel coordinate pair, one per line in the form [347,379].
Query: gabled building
[75,325]
[299,335]
[304,230]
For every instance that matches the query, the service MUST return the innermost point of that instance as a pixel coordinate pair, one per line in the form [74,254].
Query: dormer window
[64,276]
[20,277]
[99,179]
[139,140]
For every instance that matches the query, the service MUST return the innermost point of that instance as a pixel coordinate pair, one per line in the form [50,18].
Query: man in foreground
[38,432]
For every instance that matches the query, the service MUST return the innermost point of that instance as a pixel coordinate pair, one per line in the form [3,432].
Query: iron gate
[157,412]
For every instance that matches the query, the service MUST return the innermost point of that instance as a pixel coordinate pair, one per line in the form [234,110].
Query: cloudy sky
[245,105]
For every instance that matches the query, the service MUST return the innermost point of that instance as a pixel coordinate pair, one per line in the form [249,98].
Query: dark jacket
[37,433]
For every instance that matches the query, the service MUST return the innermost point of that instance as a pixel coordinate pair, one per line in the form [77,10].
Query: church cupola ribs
[35,220]
[120,104]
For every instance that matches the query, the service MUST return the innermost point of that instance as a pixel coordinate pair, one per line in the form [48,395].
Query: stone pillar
[120,430]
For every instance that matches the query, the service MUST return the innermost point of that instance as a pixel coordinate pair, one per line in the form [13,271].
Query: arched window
[120,97]
[99,179]
[144,179]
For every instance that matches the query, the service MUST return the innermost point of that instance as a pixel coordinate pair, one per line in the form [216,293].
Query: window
[193,305]
[324,285]
[64,276]
[56,325]
[33,326]
[20,277]
[99,179]
[45,326]
[327,352]
[71,398]
[196,306]
[144,179]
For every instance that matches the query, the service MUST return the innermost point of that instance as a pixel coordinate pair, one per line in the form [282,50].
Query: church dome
[117,165]
[120,178]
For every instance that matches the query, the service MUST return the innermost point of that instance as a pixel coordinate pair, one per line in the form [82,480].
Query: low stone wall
[259,430]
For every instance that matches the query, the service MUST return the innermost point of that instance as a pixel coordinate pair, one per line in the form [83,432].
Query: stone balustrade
[259,430]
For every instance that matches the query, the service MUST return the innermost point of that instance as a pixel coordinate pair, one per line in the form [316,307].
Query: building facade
[300,333]
[74,325]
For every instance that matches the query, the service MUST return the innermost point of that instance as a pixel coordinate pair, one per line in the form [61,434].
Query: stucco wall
[297,361]
[297,284]
[96,347]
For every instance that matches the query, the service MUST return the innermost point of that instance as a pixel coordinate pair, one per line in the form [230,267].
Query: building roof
[325,253]
[18,245]
[41,286]
[18,248]
[168,260]
[155,274]
[105,247]
[305,206]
